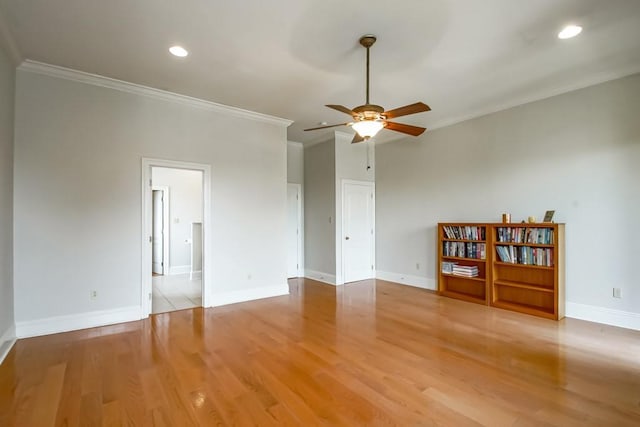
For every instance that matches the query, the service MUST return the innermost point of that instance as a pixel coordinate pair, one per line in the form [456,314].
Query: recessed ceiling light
[178,51]
[569,31]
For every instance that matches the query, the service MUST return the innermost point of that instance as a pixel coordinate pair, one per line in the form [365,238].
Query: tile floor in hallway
[176,292]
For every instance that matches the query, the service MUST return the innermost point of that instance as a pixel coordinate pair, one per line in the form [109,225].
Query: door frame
[165,226]
[372,186]
[146,246]
[300,268]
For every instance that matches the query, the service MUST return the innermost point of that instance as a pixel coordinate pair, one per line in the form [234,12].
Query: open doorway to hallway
[176,259]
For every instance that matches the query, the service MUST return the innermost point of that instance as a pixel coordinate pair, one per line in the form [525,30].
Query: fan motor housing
[369,111]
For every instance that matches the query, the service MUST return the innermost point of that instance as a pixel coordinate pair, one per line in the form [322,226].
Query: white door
[358,240]
[294,236]
[157,265]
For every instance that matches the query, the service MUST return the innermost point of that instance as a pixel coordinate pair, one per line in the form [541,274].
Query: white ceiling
[288,58]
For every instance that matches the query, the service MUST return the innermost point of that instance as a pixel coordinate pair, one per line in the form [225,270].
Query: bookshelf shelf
[517,275]
[464,240]
[522,286]
[533,245]
[525,308]
[477,279]
[463,259]
[510,264]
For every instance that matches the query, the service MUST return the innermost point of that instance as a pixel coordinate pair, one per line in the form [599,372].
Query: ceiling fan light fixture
[369,119]
[368,128]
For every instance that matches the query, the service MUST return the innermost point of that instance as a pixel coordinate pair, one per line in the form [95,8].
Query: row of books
[465,250]
[543,236]
[525,255]
[465,270]
[464,232]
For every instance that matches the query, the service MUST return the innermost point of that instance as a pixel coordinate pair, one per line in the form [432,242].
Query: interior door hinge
[150,239]
[149,296]
[150,183]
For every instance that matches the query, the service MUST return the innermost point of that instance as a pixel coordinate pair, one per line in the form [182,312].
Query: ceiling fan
[369,119]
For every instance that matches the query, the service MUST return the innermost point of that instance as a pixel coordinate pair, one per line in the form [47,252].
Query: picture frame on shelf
[548,216]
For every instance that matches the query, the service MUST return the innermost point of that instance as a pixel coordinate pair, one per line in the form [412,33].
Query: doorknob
[346,238]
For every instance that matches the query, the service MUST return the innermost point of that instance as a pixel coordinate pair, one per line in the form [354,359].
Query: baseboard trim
[608,316]
[7,340]
[407,279]
[74,322]
[243,295]
[320,276]
[179,269]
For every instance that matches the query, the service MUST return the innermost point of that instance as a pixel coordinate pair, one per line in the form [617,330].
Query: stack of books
[447,267]
[465,270]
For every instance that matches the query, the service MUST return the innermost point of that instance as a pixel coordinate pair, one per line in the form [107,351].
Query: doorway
[160,230]
[358,230]
[294,230]
[176,203]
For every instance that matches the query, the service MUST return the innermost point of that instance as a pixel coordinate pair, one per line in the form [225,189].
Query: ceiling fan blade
[330,126]
[408,129]
[357,138]
[418,107]
[342,109]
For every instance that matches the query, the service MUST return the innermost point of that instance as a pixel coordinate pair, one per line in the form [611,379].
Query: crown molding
[136,89]
[9,42]
[558,90]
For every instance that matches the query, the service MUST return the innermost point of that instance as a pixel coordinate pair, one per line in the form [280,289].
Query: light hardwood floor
[367,353]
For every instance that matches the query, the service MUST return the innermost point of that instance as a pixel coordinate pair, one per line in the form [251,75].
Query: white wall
[78,178]
[7,88]
[577,153]
[319,211]
[185,207]
[353,162]
[295,162]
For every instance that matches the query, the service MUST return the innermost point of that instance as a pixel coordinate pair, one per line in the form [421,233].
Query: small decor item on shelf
[532,219]
[548,216]
[506,218]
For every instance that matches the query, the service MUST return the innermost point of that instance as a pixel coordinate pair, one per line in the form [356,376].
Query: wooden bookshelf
[465,245]
[520,267]
[528,268]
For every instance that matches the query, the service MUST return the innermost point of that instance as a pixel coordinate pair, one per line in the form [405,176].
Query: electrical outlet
[93,295]
[248,276]
[617,293]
